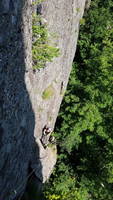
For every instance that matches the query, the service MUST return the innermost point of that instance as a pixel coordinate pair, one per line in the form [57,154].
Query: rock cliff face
[23,110]
[62,18]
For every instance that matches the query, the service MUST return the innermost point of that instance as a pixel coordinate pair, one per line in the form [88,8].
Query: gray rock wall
[17,120]
[23,110]
[62,18]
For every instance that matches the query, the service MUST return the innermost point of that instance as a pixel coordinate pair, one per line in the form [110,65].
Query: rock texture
[23,110]
[17,120]
[62,18]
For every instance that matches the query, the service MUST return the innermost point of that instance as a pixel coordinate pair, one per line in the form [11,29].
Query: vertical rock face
[17,120]
[24,110]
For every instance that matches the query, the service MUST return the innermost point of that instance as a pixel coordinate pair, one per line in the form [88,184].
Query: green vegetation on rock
[42,51]
[37,2]
[48,92]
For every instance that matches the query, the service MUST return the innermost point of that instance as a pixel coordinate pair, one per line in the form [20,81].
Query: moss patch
[48,93]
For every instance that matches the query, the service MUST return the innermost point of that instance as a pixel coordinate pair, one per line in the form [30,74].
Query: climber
[46,130]
[45,136]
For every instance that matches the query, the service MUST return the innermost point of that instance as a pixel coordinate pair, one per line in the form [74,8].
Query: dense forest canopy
[84,128]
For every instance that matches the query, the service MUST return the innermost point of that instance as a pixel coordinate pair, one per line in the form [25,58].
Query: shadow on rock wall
[18,150]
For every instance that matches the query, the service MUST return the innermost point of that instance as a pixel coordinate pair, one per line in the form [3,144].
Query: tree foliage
[84,128]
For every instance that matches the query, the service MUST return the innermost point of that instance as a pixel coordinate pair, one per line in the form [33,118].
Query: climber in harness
[46,132]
